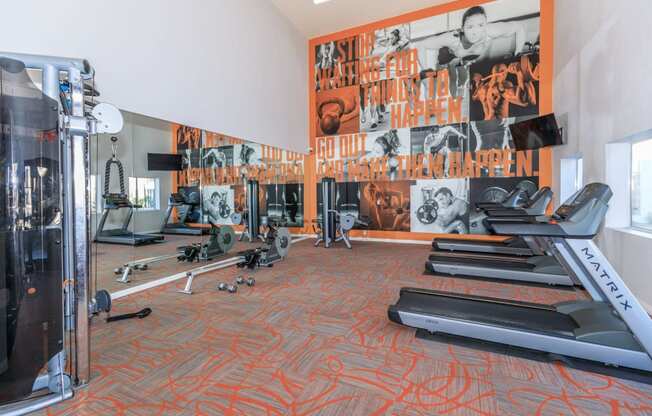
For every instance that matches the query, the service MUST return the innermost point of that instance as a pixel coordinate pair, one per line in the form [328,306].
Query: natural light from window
[642,185]
[144,192]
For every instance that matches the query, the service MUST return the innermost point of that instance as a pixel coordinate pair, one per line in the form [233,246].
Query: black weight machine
[250,216]
[185,205]
[333,225]
[46,290]
[115,202]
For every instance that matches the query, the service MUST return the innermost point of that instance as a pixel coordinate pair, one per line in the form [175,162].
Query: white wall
[602,89]
[236,67]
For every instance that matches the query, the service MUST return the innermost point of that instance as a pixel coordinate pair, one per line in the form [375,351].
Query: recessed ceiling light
[320,1]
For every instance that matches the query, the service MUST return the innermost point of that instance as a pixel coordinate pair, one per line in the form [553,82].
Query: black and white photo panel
[247,154]
[440,206]
[218,204]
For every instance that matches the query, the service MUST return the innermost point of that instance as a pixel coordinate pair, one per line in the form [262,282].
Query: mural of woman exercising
[450,212]
[472,42]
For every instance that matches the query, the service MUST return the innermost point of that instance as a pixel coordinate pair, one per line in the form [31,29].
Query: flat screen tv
[164,161]
[536,133]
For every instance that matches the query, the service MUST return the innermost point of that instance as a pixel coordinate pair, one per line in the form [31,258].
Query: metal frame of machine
[77,120]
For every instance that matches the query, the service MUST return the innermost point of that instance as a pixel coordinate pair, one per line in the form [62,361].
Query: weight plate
[528,186]
[427,214]
[493,194]
[225,238]
[347,221]
[282,242]
[103,301]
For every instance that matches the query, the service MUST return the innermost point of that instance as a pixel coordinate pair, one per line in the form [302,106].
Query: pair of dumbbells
[241,281]
[227,287]
[238,280]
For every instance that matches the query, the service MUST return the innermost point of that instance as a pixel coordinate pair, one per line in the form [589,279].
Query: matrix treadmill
[515,199]
[122,235]
[184,206]
[515,246]
[536,269]
[612,328]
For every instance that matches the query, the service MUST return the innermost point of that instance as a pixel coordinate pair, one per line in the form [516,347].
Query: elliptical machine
[115,202]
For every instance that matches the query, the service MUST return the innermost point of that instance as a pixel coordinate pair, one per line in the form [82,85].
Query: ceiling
[314,20]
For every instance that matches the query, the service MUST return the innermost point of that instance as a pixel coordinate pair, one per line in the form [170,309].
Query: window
[641,197]
[144,192]
[571,177]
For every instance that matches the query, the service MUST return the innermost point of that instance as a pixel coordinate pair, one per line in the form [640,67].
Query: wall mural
[216,168]
[412,119]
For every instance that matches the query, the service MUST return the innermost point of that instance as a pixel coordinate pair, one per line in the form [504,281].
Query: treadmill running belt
[507,243]
[490,313]
[468,261]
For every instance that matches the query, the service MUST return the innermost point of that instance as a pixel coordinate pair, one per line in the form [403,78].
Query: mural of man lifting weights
[218,204]
[440,206]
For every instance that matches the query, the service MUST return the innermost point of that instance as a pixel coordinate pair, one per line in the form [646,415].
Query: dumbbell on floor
[227,287]
[241,281]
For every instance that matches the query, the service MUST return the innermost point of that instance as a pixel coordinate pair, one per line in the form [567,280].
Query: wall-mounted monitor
[164,161]
[536,133]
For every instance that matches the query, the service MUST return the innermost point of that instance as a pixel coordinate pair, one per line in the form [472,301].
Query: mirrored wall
[163,197]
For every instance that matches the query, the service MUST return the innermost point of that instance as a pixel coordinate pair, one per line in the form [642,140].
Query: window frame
[157,192]
[633,225]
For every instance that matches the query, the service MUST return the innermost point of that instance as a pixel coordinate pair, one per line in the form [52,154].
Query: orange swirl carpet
[312,338]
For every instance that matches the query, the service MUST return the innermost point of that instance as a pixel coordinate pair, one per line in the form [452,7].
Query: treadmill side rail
[526,339]
[605,278]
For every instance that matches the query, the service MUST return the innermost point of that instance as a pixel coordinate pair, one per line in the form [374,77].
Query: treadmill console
[592,191]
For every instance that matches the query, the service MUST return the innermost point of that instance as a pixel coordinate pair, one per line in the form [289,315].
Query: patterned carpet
[312,338]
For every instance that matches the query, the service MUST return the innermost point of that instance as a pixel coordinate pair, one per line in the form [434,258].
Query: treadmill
[516,198]
[514,246]
[612,328]
[184,207]
[536,269]
[122,235]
